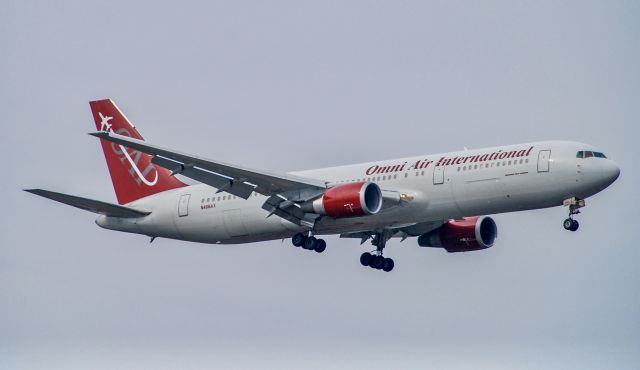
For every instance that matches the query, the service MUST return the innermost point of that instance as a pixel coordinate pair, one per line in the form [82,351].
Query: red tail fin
[132,173]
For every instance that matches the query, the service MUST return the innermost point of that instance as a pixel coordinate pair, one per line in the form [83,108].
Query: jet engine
[348,200]
[463,235]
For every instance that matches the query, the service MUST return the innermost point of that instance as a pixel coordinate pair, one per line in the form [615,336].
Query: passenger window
[406,175]
[422,173]
[475,167]
[458,169]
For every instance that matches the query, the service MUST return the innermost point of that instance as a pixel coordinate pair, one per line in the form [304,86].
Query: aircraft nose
[610,171]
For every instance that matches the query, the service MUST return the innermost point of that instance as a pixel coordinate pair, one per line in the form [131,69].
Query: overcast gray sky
[294,85]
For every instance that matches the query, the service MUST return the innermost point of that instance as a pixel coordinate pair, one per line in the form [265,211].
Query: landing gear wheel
[574,225]
[310,243]
[365,259]
[571,224]
[298,240]
[377,262]
[320,246]
[388,264]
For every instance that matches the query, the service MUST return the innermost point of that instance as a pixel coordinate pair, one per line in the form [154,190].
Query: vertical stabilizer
[132,173]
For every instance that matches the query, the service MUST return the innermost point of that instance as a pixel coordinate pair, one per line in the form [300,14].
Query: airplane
[441,199]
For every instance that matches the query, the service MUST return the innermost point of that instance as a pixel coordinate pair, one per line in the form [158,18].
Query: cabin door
[438,175]
[543,160]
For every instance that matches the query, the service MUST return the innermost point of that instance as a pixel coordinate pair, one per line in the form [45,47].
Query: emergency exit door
[183,205]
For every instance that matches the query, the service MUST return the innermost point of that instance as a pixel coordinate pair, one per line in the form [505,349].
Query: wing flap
[91,205]
[223,183]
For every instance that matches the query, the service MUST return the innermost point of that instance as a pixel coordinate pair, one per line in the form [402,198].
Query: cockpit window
[589,154]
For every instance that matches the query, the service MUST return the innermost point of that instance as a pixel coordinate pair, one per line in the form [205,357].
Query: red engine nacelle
[468,234]
[349,200]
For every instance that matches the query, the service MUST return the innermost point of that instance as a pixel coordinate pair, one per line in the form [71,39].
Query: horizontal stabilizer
[96,206]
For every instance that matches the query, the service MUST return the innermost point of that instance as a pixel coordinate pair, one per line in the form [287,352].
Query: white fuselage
[434,188]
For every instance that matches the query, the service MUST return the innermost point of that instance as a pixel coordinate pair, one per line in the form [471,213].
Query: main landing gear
[574,208]
[309,242]
[375,259]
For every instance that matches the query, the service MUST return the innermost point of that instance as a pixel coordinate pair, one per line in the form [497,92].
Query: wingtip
[99,134]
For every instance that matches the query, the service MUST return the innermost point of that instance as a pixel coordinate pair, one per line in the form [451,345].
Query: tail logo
[121,152]
[104,123]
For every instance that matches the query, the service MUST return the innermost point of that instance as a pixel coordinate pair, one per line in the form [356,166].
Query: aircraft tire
[365,259]
[310,243]
[574,225]
[388,265]
[320,246]
[298,240]
[377,262]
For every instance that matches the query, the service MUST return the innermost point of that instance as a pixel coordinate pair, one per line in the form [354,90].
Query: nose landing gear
[574,208]
[571,224]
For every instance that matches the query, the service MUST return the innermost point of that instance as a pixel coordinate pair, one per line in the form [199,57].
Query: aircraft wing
[237,180]
[282,189]
[91,205]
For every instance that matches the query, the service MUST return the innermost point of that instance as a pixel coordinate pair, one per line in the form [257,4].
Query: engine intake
[349,200]
[465,235]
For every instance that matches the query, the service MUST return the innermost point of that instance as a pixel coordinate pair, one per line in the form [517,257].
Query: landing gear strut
[375,259]
[309,242]
[574,208]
